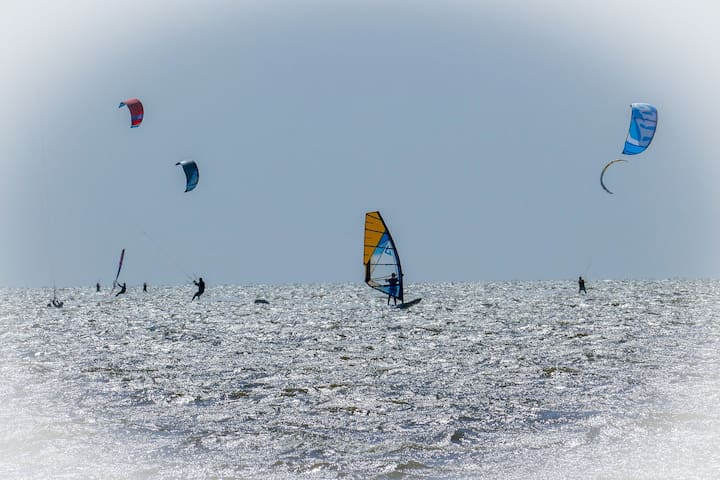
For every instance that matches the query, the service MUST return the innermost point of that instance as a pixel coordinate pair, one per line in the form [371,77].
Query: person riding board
[201,288]
[581,285]
[393,282]
[55,303]
[123,289]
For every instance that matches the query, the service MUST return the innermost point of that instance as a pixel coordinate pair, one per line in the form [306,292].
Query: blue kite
[642,128]
[192,174]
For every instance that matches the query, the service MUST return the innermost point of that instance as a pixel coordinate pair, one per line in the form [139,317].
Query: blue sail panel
[385,264]
[643,124]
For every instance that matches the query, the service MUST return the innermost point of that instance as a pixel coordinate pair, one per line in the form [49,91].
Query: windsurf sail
[643,123]
[192,174]
[136,111]
[120,264]
[381,260]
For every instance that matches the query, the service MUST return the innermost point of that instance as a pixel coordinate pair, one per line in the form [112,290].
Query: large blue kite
[642,128]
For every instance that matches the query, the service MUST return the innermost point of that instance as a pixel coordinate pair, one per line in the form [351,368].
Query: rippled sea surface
[510,380]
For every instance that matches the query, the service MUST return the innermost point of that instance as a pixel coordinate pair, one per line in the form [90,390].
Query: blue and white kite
[642,128]
[641,132]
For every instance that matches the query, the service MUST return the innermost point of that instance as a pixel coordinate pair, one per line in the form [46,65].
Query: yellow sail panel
[374,230]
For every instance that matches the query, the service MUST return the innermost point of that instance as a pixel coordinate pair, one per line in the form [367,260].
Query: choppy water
[480,380]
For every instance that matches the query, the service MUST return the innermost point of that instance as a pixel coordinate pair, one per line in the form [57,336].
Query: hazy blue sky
[478,129]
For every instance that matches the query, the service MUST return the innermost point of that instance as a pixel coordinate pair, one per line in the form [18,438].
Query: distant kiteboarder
[201,288]
[97,287]
[123,289]
[145,287]
[581,285]
[55,303]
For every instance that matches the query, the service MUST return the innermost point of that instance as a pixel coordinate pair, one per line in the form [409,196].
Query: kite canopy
[136,111]
[380,257]
[642,128]
[643,123]
[192,174]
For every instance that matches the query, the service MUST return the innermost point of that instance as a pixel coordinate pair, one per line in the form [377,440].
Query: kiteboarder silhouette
[581,285]
[201,288]
[56,303]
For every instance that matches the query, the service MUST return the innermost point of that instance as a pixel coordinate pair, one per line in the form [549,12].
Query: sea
[493,380]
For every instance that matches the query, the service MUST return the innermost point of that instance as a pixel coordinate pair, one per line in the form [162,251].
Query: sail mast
[117,275]
[120,264]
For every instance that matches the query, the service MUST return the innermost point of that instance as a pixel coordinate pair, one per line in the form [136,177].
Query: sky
[478,129]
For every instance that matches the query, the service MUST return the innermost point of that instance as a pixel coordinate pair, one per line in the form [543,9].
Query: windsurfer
[392,291]
[581,285]
[201,288]
[123,289]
